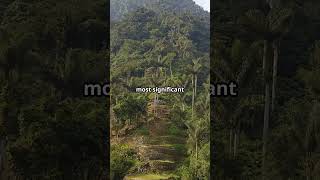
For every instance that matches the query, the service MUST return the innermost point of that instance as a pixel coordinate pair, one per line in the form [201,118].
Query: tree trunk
[230,142]
[266,106]
[236,141]
[196,147]
[308,166]
[171,69]
[235,144]
[266,126]
[193,94]
[195,85]
[275,71]
[264,62]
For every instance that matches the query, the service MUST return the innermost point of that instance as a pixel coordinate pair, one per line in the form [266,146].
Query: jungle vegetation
[48,130]
[160,136]
[271,130]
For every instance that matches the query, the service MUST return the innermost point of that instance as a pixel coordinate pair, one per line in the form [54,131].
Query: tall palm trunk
[230,141]
[235,143]
[183,108]
[266,125]
[266,117]
[193,97]
[236,140]
[196,146]
[275,71]
[195,85]
[194,91]
[171,74]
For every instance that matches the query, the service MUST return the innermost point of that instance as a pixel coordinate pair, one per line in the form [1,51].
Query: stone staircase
[150,177]
[159,152]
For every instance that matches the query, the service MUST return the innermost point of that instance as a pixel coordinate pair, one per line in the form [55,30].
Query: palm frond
[279,20]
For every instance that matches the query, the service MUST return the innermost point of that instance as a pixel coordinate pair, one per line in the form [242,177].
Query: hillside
[156,136]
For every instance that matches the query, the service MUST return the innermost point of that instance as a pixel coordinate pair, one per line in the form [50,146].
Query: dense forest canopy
[48,49]
[271,130]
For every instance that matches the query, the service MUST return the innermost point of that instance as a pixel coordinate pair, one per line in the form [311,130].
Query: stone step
[166,140]
[150,177]
[158,148]
[162,165]
[155,155]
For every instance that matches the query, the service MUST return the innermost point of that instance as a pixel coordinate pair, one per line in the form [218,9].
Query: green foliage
[242,33]
[175,131]
[197,167]
[50,130]
[143,131]
[130,108]
[122,160]
[180,148]
[164,43]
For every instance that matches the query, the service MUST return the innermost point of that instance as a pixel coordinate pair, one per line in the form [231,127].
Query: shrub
[143,131]
[175,131]
[123,158]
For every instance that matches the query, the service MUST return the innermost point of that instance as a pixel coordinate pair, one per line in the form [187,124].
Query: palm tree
[268,28]
[195,128]
[168,59]
[226,68]
[275,71]
[194,68]
[266,116]
[199,127]
[280,29]
[180,81]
